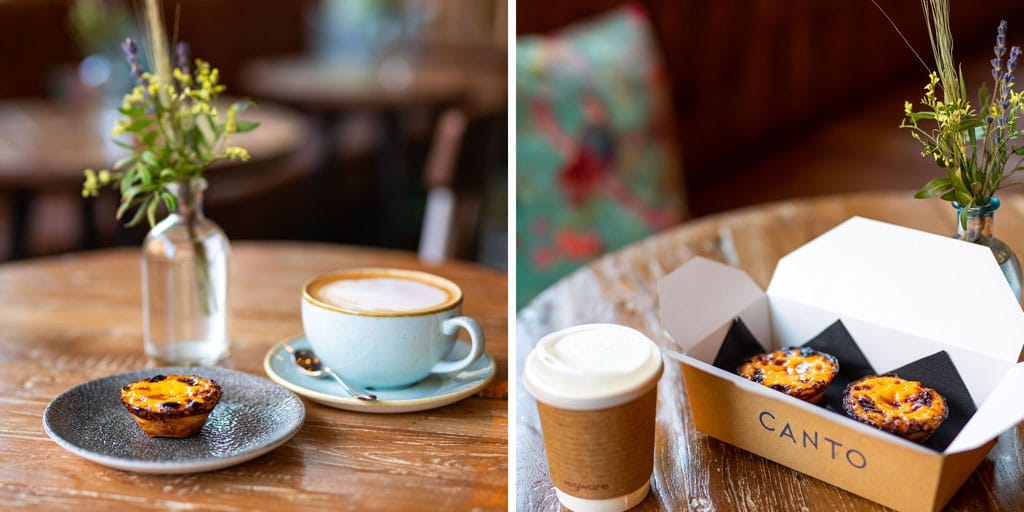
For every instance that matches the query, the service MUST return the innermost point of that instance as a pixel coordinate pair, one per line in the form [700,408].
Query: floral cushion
[596,161]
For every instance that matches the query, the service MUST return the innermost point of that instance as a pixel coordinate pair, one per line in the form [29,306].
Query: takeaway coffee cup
[386,328]
[596,391]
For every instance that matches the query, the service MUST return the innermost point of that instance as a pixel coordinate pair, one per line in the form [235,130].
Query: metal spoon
[310,364]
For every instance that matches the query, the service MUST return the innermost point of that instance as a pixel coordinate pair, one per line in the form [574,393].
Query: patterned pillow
[596,161]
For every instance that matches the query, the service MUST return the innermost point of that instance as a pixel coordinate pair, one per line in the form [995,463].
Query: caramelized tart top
[895,404]
[170,396]
[791,366]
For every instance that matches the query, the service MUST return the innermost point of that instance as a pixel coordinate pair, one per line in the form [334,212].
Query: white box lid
[933,286]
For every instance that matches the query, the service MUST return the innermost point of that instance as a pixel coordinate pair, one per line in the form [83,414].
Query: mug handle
[450,327]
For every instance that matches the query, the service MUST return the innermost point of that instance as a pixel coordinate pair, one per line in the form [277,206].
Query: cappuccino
[386,328]
[381,294]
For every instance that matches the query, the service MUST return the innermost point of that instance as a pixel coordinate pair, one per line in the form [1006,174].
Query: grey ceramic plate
[430,393]
[254,416]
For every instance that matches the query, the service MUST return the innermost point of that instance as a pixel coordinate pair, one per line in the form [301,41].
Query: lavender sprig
[183,68]
[131,52]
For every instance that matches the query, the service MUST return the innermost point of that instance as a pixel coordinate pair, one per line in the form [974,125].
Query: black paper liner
[836,340]
[740,345]
[936,371]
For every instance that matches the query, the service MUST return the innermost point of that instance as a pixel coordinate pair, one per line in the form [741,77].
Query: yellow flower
[236,153]
[230,125]
[91,187]
[908,108]
[183,78]
[202,107]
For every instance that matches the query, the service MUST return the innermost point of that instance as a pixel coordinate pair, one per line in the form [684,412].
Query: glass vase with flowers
[172,129]
[974,146]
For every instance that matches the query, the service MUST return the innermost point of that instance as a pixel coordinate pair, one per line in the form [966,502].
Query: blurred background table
[338,92]
[45,145]
[354,203]
[693,471]
[70,319]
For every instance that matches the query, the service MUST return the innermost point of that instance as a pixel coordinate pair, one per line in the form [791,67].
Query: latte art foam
[381,294]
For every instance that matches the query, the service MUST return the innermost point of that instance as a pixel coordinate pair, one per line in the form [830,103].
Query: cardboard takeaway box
[903,295]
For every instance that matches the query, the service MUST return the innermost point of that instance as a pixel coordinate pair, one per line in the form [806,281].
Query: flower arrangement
[973,146]
[176,132]
[171,125]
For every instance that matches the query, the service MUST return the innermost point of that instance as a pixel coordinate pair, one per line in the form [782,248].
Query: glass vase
[979,231]
[184,283]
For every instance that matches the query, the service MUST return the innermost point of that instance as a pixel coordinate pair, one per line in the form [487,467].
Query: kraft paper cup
[596,391]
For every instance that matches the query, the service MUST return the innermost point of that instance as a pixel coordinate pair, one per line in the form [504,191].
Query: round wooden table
[693,471]
[78,317]
[45,146]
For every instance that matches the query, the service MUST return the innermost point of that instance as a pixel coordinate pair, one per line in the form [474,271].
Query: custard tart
[171,405]
[902,407]
[799,372]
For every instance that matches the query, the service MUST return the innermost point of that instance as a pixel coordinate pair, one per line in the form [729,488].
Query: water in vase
[184,299]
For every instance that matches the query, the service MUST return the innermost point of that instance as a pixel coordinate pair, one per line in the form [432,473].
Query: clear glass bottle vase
[979,231]
[185,283]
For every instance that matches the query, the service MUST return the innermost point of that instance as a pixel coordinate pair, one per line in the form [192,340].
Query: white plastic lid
[592,366]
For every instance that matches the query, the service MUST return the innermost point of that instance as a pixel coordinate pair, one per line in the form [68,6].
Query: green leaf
[917,116]
[132,112]
[150,158]
[949,196]
[149,137]
[130,194]
[151,211]
[969,125]
[139,213]
[934,188]
[170,201]
[245,126]
[168,175]
[243,104]
[122,144]
[125,204]
[124,161]
[138,124]
[963,198]
[146,175]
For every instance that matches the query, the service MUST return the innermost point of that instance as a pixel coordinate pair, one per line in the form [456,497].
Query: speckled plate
[254,416]
[429,393]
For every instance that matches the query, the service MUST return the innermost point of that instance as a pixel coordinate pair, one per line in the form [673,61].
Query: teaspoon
[310,364]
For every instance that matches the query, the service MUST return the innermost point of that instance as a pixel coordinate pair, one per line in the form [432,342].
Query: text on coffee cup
[577,486]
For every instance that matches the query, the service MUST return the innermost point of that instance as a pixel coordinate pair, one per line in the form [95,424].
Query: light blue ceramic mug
[386,328]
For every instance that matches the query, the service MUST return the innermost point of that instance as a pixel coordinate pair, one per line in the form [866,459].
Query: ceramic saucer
[253,417]
[429,393]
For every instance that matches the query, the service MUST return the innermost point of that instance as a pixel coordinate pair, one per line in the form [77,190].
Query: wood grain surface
[695,472]
[70,319]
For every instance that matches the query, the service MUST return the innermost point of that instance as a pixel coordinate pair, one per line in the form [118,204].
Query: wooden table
[71,319]
[45,146]
[693,471]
